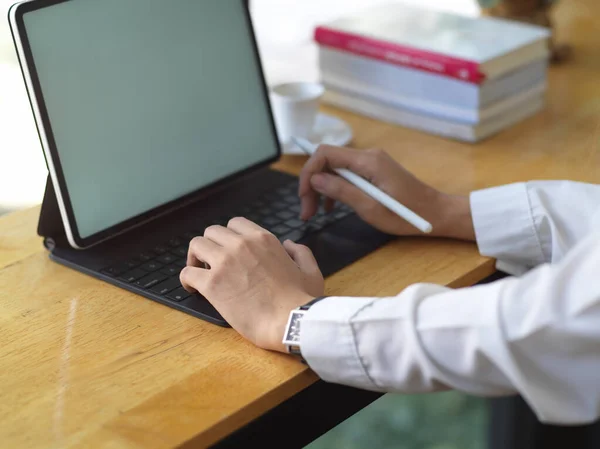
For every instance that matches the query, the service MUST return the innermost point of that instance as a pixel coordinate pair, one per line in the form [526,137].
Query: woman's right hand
[450,215]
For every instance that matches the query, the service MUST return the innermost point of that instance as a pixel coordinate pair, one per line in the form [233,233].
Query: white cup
[295,108]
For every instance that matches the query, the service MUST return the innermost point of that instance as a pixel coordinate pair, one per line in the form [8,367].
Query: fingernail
[318,182]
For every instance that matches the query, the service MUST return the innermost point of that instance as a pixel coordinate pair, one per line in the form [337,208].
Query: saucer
[328,130]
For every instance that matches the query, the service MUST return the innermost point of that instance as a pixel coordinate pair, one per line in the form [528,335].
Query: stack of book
[458,77]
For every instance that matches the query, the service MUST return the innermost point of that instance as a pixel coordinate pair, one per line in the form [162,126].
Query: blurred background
[435,421]
[284,29]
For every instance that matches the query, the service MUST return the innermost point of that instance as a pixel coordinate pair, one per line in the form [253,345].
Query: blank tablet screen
[148,100]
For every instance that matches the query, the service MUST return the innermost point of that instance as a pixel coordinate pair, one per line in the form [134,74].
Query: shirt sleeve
[525,225]
[537,335]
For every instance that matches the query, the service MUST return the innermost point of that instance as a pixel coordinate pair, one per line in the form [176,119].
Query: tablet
[141,105]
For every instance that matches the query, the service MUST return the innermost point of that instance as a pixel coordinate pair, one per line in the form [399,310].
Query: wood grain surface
[84,364]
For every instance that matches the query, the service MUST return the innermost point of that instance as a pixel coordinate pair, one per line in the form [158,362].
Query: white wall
[284,29]
[22,168]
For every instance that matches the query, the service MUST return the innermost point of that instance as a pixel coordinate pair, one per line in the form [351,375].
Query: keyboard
[157,268]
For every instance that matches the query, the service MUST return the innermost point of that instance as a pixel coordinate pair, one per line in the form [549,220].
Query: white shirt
[538,335]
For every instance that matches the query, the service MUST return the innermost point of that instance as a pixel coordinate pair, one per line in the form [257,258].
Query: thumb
[303,257]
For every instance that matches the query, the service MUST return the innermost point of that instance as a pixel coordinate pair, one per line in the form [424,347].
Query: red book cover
[466,48]
[400,54]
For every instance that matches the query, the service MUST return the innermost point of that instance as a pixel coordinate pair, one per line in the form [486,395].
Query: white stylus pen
[378,195]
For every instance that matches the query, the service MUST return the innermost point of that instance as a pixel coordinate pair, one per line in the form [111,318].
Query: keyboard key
[296,208]
[145,257]
[330,218]
[111,271]
[285,215]
[280,230]
[320,221]
[133,263]
[188,236]
[171,270]
[175,242]
[151,266]
[167,286]
[294,236]
[182,251]
[265,212]
[179,295]
[340,214]
[181,263]
[223,221]
[294,223]
[278,205]
[291,199]
[167,259]
[160,249]
[151,280]
[253,217]
[133,275]
[116,270]
[270,222]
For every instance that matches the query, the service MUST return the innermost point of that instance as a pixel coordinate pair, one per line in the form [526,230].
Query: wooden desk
[84,364]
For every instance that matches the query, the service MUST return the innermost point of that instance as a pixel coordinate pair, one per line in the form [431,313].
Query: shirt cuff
[328,342]
[505,227]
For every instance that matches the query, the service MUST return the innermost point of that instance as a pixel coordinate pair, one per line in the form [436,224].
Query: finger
[303,257]
[326,158]
[201,251]
[243,226]
[329,204]
[330,157]
[338,189]
[222,236]
[194,279]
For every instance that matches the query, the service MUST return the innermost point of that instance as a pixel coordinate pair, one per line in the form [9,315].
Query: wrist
[455,219]
[278,324]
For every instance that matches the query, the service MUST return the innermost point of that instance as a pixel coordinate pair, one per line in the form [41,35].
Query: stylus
[378,195]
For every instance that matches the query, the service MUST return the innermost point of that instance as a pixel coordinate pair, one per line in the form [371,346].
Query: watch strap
[312,303]
[295,349]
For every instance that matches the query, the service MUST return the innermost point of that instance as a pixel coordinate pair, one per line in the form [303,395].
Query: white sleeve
[528,224]
[538,335]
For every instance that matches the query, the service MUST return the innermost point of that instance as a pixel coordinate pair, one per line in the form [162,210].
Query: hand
[449,215]
[252,280]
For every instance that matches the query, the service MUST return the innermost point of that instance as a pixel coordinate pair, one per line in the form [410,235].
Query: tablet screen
[148,100]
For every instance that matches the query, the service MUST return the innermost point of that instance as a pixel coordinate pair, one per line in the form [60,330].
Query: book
[425,92]
[436,125]
[462,115]
[465,48]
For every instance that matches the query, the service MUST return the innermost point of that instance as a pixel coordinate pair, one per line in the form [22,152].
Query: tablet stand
[50,225]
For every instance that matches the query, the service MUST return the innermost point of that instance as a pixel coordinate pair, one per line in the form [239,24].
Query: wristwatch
[291,337]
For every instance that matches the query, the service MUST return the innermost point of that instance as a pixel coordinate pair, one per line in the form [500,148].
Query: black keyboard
[157,268]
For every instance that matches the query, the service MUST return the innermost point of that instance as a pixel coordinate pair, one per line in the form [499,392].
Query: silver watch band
[291,337]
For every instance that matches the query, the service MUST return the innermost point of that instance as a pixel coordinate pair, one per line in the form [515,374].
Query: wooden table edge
[247,414]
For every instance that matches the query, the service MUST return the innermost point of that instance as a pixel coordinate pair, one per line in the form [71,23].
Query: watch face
[293,328]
